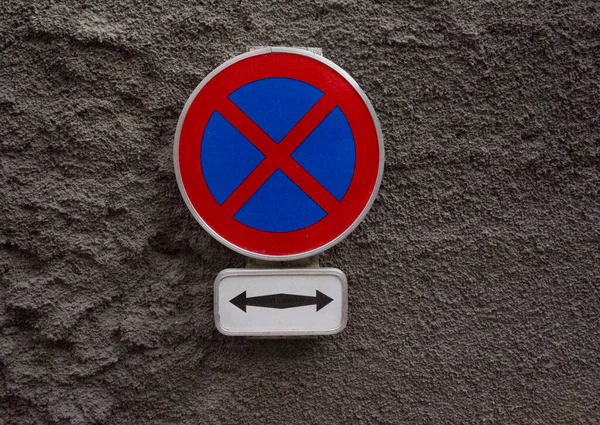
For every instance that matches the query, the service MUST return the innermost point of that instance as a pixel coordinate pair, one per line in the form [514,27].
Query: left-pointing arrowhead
[322,300]
[239,301]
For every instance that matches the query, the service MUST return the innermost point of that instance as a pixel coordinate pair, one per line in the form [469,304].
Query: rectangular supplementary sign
[281,302]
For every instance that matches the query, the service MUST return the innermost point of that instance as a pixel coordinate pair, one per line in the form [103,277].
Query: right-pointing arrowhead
[239,301]
[322,300]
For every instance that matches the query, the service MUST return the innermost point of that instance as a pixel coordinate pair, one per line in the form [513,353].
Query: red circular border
[348,99]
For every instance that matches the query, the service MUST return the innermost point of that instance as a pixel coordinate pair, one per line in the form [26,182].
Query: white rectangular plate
[281,302]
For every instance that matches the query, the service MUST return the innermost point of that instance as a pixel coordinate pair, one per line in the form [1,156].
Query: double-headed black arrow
[280,301]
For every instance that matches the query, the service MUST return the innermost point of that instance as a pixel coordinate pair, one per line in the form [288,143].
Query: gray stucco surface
[474,282]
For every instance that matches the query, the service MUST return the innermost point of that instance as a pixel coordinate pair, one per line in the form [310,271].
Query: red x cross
[277,155]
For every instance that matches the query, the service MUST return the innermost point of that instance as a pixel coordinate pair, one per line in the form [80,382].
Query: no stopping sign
[278,154]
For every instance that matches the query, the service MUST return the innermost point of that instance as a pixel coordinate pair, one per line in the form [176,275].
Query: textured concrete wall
[474,281]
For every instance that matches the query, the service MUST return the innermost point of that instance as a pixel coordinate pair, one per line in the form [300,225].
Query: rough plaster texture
[474,281]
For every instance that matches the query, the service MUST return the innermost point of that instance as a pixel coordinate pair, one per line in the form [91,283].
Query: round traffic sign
[278,154]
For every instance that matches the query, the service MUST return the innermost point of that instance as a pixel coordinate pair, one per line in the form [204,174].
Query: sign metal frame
[371,111]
